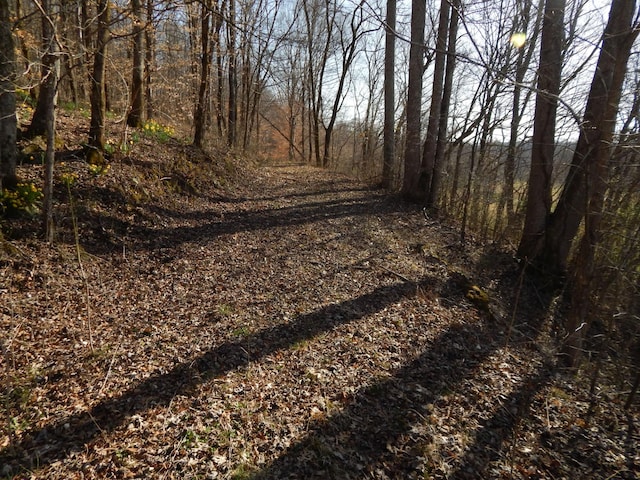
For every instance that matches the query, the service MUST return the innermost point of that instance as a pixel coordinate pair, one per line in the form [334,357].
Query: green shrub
[161,133]
[25,198]
[99,169]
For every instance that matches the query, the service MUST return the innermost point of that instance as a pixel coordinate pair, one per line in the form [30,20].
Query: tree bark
[584,194]
[523,60]
[589,167]
[389,147]
[49,76]
[8,121]
[49,95]
[220,119]
[135,118]
[543,143]
[149,61]
[233,78]
[411,182]
[431,137]
[98,89]
[205,68]
[436,178]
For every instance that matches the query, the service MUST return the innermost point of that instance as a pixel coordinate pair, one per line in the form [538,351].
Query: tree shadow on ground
[497,435]
[41,447]
[380,436]
[358,441]
[212,224]
[317,191]
[361,440]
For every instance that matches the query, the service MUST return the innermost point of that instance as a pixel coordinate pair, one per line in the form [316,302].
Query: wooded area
[516,123]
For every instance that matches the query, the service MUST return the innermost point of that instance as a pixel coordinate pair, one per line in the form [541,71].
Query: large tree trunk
[585,187]
[433,125]
[205,68]
[389,147]
[149,60]
[98,90]
[596,134]
[48,95]
[544,129]
[135,117]
[433,191]
[411,183]
[48,84]
[232,117]
[8,122]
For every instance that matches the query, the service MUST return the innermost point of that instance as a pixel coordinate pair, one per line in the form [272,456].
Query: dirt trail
[303,326]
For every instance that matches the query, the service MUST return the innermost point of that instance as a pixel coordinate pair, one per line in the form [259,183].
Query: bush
[24,198]
[161,133]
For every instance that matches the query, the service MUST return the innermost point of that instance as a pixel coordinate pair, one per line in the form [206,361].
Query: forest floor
[196,319]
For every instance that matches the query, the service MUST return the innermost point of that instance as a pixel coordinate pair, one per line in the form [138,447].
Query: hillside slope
[276,322]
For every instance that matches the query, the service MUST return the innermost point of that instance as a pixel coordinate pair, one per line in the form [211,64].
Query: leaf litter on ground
[294,324]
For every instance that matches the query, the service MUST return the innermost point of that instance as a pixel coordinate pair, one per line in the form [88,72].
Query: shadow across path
[211,224]
[382,433]
[53,442]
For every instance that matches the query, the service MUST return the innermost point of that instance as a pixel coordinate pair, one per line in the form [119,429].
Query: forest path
[303,326]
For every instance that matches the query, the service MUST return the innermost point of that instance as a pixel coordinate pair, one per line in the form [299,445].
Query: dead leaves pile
[284,329]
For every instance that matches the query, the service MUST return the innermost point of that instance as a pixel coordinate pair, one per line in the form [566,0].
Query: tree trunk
[205,68]
[52,62]
[389,148]
[411,183]
[316,69]
[431,138]
[233,80]
[8,121]
[135,117]
[434,187]
[348,53]
[585,188]
[523,60]
[589,166]
[98,89]
[48,83]
[543,143]
[220,119]
[149,62]
[291,121]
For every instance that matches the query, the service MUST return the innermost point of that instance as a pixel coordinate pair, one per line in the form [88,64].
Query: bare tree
[389,96]
[524,56]
[49,72]
[592,153]
[47,100]
[584,193]
[149,59]
[440,98]
[261,39]
[205,69]
[135,118]
[540,176]
[232,116]
[8,122]
[217,36]
[411,187]
[319,38]
[348,35]
[98,88]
